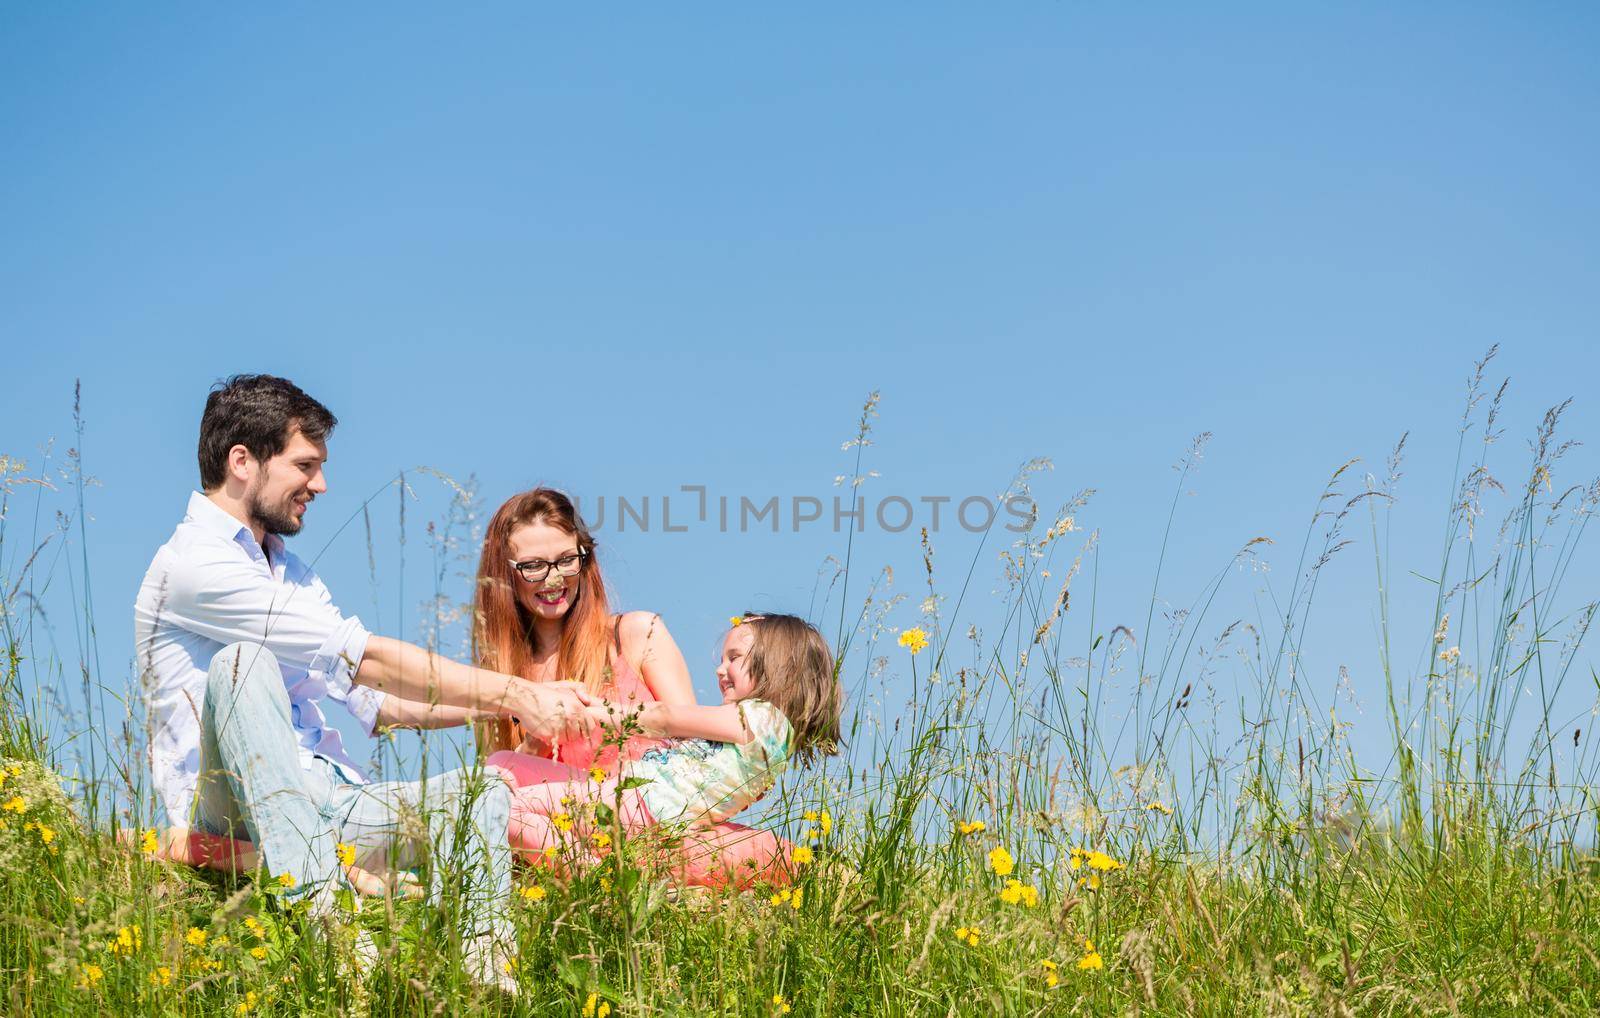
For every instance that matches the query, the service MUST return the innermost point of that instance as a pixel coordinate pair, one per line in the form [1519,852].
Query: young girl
[780,701]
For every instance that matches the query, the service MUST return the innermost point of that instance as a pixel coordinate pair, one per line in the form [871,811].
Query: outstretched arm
[399,713]
[548,710]
[721,723]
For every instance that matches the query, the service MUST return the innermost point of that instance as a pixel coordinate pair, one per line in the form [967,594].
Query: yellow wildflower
[1091,960]
[149,843]
[1102,862]
[794,899]
[825,823]
[533,892]
[129,939]
[90,974]
[602,841]
[597,774]
[346,853]
[591,1006]
[162,976]
[259,953]
[779,1004]
[563,822]
[248,1004]
[969,935]
[1159,807]
[15,804]
[779,897]
[914,640]
[801,855]
[972,827]
[550,851]
[253,924]
[46,834]
[1051,978]
[1090,882]
[809,816]
[286,880]
[813,834]
[1001,862]
[196,937]
[1012,893]
[735,621]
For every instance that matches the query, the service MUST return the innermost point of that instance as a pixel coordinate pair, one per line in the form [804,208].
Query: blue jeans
[251,777]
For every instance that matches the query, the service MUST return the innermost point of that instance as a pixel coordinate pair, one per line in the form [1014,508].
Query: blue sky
[623,251]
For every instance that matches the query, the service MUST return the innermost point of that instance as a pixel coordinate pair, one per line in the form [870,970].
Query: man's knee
[232,667]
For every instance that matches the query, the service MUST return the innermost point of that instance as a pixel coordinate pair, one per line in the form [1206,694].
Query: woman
[543,614]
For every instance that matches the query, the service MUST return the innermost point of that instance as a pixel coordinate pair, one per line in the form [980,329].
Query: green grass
[1457,876]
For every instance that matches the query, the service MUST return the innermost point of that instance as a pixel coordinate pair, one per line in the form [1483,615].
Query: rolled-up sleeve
[335,664]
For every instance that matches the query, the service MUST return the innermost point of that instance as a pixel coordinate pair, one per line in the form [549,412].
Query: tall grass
[1070,812]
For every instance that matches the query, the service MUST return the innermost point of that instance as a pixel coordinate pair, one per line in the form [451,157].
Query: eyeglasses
[536,569]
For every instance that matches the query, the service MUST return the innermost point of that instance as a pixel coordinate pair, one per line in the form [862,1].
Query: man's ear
[240,463]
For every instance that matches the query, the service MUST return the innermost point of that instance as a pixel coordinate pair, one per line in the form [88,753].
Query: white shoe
[491,962]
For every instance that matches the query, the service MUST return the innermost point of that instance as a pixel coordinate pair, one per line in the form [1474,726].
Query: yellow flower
[1102,862]
[1001,862]
[259,953]
[597,774]
[1030,896]
[563,822]
[809,816]
[248,1004]
[779,897]
[794,899]
[533,892]
[346,853]
[813,834]
[1012,893]
[972,827]
[589,1005]
[602,841]
[15,804]
[253,924]
[779,1004]
[825,823]
[90,974]
[735,621]
[603,1010]
[1159,807]
[914,640]
[46,834]
[1051,978]
[149,844]
[801,855]
[1091,960]
[129,939]
[196,937]
[1091,882]
[286,880]
[162,976]
[969,935]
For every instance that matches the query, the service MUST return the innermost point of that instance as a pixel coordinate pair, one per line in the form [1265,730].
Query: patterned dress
[696,780]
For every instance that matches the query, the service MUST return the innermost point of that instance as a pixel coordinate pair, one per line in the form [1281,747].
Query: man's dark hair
[259,412]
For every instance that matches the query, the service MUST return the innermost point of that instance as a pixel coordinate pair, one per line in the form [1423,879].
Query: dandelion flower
[972,827]
[602,841]
[1102,862]
[1001,862]
[90,974]
[16,804]
[1051,978]
[1159,807]
[259,953]
[779,1004]
[914,640]
[801,855]
[1091,882]
[533,892]
[346,853]
[196,937]
[562,821]
[253,924]
[286,880]
[149,843]
[550,851]
[779,897]
[809,816]
[1012,893]
[795,898]
[248,1004]
[969,935]
[597,774]
[825,823]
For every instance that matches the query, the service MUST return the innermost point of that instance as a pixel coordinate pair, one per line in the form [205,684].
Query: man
[240,645]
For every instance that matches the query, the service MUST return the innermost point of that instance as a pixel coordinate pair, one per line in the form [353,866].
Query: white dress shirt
[212,585]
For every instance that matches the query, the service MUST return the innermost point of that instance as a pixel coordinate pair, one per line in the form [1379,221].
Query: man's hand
[550,711]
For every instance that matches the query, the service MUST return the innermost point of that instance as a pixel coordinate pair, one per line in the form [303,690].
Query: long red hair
[502,637]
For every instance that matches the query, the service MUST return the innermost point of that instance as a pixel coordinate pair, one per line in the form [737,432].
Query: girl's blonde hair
[792,668]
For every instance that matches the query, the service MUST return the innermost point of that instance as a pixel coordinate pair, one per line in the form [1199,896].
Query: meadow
[1004,842]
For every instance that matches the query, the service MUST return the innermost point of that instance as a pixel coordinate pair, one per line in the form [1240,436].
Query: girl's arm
[721,723]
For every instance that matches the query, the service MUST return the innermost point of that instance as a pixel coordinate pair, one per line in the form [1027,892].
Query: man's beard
[273,519]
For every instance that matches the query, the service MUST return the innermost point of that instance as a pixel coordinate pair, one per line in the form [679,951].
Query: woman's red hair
[503,634]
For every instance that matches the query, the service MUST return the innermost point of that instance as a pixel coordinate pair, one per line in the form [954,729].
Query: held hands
[607,714]
[549,711]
